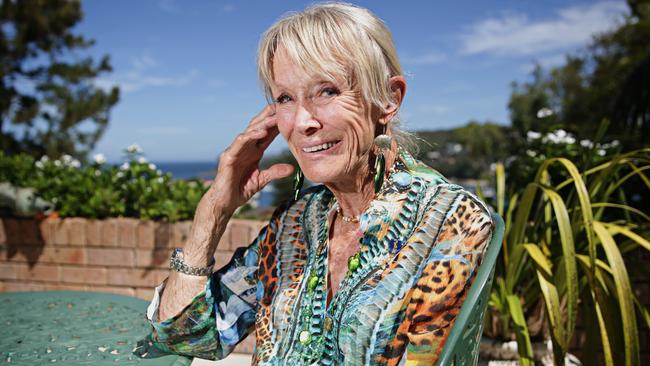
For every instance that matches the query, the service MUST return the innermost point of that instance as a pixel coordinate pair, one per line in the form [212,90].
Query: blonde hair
[341,42]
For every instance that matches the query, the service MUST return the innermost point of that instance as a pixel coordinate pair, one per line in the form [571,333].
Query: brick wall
[120,255]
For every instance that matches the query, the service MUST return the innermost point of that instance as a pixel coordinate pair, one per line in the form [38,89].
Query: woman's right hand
[238,176]
[238,179]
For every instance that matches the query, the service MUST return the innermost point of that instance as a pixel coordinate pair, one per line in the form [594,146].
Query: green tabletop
[75,328]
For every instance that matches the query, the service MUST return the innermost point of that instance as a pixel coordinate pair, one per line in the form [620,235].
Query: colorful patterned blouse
[421,242]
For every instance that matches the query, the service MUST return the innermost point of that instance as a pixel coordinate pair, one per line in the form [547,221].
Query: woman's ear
[397,90]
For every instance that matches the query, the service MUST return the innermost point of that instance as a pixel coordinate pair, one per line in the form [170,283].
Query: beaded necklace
[317,326]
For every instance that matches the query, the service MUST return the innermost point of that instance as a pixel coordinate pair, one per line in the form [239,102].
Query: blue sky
[187,68]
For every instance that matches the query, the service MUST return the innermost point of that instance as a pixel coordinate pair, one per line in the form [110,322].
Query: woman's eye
[282,99]
[330,92]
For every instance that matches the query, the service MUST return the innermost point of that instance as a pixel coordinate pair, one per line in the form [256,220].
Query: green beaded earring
[383,142]
[298,180]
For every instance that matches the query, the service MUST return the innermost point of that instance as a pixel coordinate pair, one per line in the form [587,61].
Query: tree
[525,101]
[626,51]
[609,80]
[49,103]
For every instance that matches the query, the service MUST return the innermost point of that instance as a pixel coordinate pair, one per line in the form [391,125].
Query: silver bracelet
[177,264]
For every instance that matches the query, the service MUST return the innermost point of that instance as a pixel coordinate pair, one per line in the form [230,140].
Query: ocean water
[206,170]
[186,170]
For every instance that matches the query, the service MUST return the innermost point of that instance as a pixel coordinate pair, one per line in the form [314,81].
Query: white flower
[134,149]
[75,163]
[533,135]
[125,166]
[160,179]
[39,164]
[531,153]
[152,166]
[559,137]
[57,162]
[67,159]
[119,174]
[98,173]
[159,172]
[99,158]
[551,137]
[586,143]
[45,159]
[454,148]
[615,143]
[601,152]
[142,160]
[544,112]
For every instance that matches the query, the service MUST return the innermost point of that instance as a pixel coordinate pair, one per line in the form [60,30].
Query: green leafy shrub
[134,189]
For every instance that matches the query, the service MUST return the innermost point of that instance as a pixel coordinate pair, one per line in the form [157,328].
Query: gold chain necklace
[346,219]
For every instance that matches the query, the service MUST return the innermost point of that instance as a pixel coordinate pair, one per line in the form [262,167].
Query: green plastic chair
[462,347]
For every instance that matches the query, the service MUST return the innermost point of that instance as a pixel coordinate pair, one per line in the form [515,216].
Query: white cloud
[425,59]
[143,62]
[517,34]
[136,81]
[436,109]
[140,77]
[168,6]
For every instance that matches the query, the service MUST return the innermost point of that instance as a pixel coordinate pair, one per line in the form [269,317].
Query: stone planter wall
[120,255]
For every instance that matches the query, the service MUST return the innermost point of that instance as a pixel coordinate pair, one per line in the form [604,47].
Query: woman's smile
[321,148]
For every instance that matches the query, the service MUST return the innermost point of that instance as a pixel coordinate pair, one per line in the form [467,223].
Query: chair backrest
[462,346]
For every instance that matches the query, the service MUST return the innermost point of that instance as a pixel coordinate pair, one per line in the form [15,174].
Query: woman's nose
[305,121]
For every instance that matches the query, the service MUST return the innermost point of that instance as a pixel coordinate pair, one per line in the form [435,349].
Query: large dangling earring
[383,143]
[298,180]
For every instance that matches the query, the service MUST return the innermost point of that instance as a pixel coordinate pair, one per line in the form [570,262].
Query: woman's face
[327,125]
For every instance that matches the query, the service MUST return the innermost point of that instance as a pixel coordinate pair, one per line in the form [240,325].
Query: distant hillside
[464,152]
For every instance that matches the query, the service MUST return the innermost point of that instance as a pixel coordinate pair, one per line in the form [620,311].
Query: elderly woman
[370,267]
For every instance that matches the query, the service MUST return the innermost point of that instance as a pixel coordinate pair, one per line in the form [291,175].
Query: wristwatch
[177,264]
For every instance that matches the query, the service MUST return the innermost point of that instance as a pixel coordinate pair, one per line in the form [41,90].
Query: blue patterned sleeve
[218,318]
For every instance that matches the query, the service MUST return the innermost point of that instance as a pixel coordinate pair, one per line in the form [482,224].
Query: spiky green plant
[564,248]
